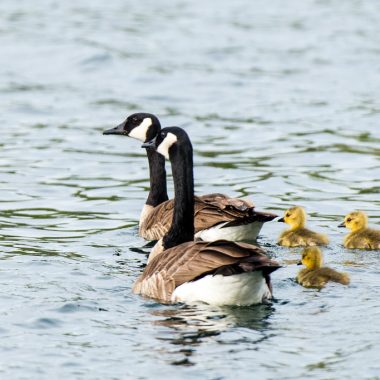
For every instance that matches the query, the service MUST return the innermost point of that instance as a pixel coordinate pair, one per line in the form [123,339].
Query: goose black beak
[119,130]
[281,220]
[150,144]
[342,225]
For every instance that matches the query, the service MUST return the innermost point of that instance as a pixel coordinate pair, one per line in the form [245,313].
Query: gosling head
[312,258]
[295,217]
[141,126]
[355,221]
[170,142]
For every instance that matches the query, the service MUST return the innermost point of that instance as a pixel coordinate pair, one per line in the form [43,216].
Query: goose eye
[163,135]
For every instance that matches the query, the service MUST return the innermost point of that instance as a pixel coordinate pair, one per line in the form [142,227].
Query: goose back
[209,211]
[191,261]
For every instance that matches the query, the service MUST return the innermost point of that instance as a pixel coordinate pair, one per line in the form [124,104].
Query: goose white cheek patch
[140,132]
[166,143]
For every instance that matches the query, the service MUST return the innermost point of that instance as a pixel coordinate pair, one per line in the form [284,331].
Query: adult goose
[217,273]
[216,216]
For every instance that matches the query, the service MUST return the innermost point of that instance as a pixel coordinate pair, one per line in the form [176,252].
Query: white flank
[166,143]
[140,132]
[239,289]
[238,233]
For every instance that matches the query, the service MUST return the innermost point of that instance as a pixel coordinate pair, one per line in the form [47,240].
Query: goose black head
[141,126]
[168,141]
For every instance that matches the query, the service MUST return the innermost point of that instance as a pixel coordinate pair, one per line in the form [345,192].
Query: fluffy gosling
[360,236]
[314,275]
[298,235]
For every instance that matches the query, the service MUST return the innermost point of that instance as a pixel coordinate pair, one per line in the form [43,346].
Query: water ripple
[282,107]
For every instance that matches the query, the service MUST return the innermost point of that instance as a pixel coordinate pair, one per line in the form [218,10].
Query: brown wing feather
[209,210]
[221,200]
[158,222]
[192,260]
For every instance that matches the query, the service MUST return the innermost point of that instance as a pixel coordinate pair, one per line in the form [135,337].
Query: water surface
[282,105]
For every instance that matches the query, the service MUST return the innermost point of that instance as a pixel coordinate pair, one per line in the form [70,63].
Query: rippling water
[282,104]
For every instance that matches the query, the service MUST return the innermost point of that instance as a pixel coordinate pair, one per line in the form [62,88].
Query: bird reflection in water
[191,325]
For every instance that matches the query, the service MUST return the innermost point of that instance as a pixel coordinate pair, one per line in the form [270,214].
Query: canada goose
[314,275]
[216,215]
[217,273]
[298,235]
[360,236]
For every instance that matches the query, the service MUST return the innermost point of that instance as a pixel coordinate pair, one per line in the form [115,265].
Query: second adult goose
[217,273]
[216,216]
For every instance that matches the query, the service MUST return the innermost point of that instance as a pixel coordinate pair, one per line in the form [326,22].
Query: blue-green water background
[281,100]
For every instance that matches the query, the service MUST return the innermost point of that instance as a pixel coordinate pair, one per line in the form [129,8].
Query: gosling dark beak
[281,220]
[119,130]
[150,144]
[342,225]
[299,263]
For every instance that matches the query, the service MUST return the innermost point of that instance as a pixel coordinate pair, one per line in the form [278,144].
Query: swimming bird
[217,216]
[360,236]
[298,235]
[315,275]
[218,273]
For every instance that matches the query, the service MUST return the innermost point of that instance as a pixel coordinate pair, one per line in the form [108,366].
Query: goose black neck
[182,228]
[157,173]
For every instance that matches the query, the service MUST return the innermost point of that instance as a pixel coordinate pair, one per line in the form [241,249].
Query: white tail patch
[237,233]
[141,130]
[166,143]
[239,289]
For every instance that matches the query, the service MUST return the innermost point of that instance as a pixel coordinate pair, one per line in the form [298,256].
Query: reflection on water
[282,105]
[193,325]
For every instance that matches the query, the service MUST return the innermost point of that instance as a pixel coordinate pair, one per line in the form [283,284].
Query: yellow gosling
[298,235]
[314,275]
[360,236]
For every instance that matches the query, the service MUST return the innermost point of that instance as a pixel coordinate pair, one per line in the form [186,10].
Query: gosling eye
[349,220]
[287,215]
